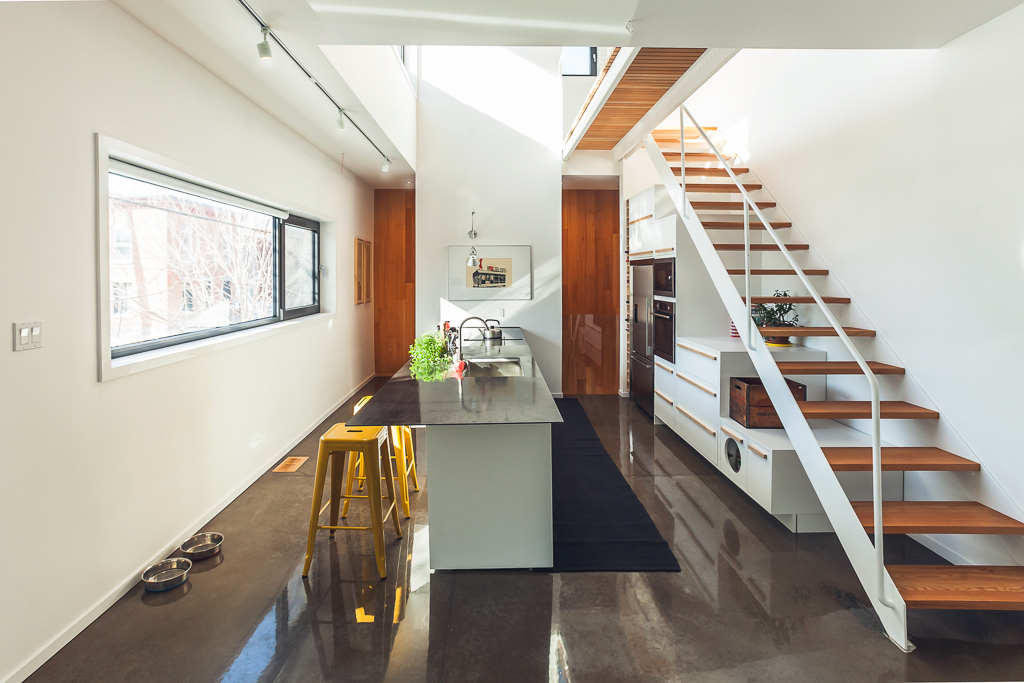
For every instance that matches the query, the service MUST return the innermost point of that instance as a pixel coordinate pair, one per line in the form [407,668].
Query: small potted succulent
[776,315]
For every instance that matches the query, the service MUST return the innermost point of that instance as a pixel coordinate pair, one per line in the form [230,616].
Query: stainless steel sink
[493,367]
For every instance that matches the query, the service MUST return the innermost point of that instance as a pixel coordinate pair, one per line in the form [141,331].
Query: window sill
[129,365]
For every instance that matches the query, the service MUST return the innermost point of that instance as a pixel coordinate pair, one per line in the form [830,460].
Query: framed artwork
[363,271]
[504,272]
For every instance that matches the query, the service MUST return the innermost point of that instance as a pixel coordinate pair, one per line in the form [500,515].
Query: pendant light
[264,48]
[473,260]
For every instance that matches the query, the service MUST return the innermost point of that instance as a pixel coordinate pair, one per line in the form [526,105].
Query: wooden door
[590,292]
[394,278]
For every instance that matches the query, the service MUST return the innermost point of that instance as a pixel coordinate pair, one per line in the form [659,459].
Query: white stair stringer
[848,528]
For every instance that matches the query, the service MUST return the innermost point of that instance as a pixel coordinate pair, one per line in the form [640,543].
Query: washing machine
[732,455]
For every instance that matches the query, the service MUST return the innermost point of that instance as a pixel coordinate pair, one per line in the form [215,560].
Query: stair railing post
[751,324]
[682,158]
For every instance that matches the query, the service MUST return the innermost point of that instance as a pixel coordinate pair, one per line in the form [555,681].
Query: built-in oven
[665,330]
[665,277]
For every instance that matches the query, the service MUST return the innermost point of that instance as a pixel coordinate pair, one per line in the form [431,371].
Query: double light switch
[28,335]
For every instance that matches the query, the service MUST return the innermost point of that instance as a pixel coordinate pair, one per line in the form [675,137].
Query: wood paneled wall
[394,278]
[590,292]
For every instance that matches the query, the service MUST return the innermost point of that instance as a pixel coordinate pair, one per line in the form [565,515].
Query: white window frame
[108,148]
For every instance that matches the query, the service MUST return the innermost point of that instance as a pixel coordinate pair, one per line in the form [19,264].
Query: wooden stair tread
[710,172]
[775,271]
[672,135]
[797,300]
[936,517]
[835,367]
[727,206]
[722,188]
[762,247]
[861,410]
[959,586]
[738,225]
[896,459]
[673,155]
[813,332]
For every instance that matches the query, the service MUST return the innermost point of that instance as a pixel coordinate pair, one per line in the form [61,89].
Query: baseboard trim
[33,662]
[624,394]
[557,395]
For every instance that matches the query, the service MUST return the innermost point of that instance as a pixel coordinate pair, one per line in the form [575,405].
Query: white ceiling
[220,35]
[658,23]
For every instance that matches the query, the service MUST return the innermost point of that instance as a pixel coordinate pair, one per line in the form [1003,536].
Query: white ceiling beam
[704,68]
[611,79]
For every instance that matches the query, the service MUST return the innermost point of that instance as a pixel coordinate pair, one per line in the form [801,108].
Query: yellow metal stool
[405,464]
[363,442]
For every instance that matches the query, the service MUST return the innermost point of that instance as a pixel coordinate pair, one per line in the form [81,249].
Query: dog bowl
[166,574]
[202,545]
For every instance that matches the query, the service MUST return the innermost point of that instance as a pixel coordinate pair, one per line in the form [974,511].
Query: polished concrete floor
[753,602]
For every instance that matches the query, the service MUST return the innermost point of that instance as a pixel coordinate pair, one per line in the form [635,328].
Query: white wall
[144,458]
[490,120]
[901,168]
[380,81]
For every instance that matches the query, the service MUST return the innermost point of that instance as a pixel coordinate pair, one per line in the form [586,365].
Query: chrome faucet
[472,317]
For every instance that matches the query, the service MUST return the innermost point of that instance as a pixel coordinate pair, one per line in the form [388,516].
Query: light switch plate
[28,335]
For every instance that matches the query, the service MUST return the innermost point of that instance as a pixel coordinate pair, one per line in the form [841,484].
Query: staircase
[892,588]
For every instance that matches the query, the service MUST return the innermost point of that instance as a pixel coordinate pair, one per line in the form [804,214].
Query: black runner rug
[599,523]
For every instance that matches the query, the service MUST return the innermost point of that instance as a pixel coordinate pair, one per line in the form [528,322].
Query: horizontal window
[579,61]
[187,262]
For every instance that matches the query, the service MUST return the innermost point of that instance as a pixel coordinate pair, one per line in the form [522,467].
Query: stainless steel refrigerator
[641,349]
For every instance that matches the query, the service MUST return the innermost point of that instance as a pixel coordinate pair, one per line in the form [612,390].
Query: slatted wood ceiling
[653,71]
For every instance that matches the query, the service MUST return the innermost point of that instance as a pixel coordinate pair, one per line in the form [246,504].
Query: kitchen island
[488,436]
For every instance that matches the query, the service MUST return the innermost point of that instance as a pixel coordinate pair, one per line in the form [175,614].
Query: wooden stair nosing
[797,299]
[775,271]
[760,247]
[836,367]
[814,332]
[719,172]
[673,155]
[959,586]
[727,206]
[898,459]
[861,410]
[738,225]
[722,188]
[937,517]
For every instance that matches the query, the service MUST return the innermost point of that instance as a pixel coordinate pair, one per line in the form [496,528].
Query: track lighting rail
[341,111]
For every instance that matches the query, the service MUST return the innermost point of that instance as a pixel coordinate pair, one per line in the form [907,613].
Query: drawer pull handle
[663,397]
[699,353]
[663,367]
[700,385]
[729,432]
[757,451]
[700,423]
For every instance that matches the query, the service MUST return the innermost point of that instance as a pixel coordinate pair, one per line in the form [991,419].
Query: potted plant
[430,357]
[776,315]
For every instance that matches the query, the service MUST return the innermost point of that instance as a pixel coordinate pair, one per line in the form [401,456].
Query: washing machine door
[733,454]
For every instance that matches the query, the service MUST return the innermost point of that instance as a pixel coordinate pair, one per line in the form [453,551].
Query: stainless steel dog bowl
[202,545]
[166,574]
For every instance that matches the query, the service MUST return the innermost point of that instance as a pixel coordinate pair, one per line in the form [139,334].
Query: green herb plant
[776,315]
[430,359]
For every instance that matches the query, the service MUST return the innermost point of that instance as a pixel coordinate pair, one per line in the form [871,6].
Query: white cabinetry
[652,223]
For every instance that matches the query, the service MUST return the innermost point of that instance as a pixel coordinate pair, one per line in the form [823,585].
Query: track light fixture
[387,165]
[341,119]
[473,260]
[264,47]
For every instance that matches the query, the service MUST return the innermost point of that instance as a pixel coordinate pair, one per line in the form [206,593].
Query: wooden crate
[750,405]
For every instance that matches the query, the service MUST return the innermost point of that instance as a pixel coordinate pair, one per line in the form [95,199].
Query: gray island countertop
[469,400]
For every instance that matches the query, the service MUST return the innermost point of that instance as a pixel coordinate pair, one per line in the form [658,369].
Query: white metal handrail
[876,413]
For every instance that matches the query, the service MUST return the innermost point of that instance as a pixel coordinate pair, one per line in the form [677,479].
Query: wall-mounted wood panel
[651,73]
[590,292]
[394,278]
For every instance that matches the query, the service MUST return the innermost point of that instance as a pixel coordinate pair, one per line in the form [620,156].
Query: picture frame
[506,273]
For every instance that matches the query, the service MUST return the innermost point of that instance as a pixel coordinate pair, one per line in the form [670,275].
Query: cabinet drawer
[697,362]
[664,378]
[759,474]
[697,394]
[663,409]
[700,432]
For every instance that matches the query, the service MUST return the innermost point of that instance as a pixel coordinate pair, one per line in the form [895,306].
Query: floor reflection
[753,602]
